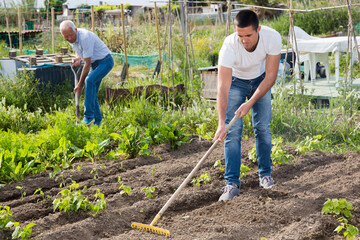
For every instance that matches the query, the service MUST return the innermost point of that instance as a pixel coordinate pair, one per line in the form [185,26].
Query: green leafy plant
[252,154]
[244,170]
[131,142]
[350,231]
[173,134]
[218,165]
[278,154]
[100,203]
[338,207]
[23,233]
[308,144]
[153,132]
[71,199]
[341,207]
[6,220]
[204,178]
[148,192]
[92,150]
[201,131]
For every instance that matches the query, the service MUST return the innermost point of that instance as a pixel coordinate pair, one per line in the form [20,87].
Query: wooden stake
[47,25]
[53,29]
[353,31]
[92,19]
[166,29]
[7,24]
[157,31]
[124,35]
[20,31]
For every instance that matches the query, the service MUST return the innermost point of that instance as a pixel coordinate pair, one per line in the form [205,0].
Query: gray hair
[67,24]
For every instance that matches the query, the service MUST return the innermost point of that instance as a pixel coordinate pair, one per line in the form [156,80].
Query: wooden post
[353,31]
[124,35]
[92,19]
[39,52]
[53,29]
[157,31]
[167,20]
[48,26]
[20,31]
[12,53]
[32,60]
[7,24]
[58,59]
[186,54]
[64,50]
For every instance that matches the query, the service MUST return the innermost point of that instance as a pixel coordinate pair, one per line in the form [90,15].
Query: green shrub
[317,22]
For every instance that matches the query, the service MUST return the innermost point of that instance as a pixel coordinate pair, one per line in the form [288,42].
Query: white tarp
[307,43]
[18,3]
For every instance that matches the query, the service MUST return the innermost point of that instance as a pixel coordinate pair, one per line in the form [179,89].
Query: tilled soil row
[290,210]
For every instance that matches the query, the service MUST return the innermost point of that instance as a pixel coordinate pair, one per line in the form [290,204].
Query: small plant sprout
[148,192]
[23,233]
[23,194]
[42,194]
[252,154]
[125,190]
[244,170]
[153,171]
[218,165]
[350,231]
[204,178]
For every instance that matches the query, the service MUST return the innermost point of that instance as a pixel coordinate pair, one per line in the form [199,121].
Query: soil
[289,210]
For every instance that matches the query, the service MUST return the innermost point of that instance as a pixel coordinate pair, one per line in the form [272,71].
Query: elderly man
[97,64]
[248,65]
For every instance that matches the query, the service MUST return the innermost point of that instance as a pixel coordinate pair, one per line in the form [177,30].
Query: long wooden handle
[187,180]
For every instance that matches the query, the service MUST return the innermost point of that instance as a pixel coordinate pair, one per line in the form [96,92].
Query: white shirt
[88,44]
[249,65]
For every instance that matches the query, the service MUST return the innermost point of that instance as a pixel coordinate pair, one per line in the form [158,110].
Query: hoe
[161,231]
[76,95]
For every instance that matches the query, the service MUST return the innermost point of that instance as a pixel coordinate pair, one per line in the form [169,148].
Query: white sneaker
[266,182]
[230,191]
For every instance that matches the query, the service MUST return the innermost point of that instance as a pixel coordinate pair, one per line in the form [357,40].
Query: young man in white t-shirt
[248,65]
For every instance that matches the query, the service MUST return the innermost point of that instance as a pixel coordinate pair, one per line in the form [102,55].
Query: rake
[164,232]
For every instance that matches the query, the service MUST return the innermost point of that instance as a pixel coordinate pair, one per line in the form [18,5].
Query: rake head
[149,228]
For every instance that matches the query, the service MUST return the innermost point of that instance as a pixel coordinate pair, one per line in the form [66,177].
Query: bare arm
[271,69]
[223,87]
[84,73]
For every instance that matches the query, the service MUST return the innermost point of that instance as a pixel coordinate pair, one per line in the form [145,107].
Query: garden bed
[290,210]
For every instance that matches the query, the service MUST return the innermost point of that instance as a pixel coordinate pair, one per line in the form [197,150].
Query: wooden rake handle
[192,173]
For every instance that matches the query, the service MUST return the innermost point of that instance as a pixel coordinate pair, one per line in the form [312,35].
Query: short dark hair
[246,18]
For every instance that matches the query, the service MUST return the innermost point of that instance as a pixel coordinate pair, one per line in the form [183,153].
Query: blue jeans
[98,71]
[241,90]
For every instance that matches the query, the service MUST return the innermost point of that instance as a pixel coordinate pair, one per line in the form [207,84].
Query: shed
[209,82]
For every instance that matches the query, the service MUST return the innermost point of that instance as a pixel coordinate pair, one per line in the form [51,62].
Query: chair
[309,58]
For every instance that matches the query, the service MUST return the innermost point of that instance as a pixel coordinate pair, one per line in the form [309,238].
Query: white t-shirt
[249,65]
[88,44]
